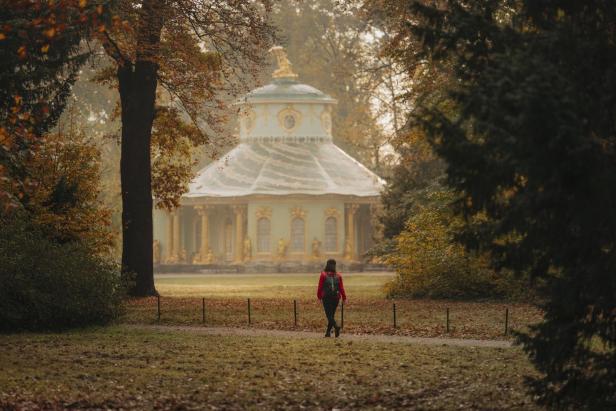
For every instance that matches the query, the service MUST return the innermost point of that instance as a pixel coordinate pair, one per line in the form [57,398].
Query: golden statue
[282,248]
[156,251]
[247,249]
[348,250]
[209,259]
[316,248]
[284,69]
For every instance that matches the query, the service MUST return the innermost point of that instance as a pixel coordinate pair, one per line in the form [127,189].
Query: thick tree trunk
[137,85]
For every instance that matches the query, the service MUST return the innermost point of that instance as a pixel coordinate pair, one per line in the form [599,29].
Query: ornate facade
[286,193]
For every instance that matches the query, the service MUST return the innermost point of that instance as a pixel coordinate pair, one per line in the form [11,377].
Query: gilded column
[239,211]
[177,246]
[173,237]
[202,211]
[349,244]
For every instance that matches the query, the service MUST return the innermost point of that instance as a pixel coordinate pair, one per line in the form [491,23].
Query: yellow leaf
[2,36]
[82,3]
[45,48]
[21,52]
[50,32]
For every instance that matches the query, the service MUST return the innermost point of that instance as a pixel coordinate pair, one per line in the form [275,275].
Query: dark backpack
[331,286]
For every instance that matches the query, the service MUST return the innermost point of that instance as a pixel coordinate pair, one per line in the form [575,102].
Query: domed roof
[276,159]
[287,89]
[285,168]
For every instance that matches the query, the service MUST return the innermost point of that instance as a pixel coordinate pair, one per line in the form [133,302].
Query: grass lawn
[274,285]
[144,369]
[366,311]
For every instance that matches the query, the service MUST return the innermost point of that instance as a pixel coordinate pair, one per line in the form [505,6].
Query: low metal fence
[295,313]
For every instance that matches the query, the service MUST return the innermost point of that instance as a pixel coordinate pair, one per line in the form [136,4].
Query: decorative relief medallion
[289,119]
[326,121]
[298,212]
[264,212]
[332,212]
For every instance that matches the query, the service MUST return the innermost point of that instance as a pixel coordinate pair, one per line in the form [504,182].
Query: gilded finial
[284,69]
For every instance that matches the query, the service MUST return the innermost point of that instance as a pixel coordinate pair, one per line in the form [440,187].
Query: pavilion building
[285,195]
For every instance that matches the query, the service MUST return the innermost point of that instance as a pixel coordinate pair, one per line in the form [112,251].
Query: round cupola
[285,109]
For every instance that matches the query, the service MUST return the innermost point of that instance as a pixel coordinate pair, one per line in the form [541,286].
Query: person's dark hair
[330,267]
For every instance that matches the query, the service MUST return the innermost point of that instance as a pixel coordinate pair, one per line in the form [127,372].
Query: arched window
[297,235]
[331,235]
[263,235]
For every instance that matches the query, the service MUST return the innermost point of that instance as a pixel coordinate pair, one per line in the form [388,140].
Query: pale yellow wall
[281,216]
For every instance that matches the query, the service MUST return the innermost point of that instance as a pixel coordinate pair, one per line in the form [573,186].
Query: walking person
[330,290]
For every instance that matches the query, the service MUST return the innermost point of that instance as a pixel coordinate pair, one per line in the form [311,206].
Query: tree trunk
[137,86]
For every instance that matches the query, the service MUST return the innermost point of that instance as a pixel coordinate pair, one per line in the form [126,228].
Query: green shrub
[47,285]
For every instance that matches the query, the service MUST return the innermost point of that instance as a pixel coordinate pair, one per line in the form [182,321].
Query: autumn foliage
[430,262]
[40,57]
[531,149]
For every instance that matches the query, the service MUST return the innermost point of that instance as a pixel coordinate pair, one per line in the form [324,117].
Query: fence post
[342,315]
[249,319]
[506,320]
[295,312]
[158,306]
[447,320]
[203,310]
[395,325]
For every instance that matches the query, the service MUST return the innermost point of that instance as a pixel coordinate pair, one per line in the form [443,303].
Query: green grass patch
[364,285]
[145,369]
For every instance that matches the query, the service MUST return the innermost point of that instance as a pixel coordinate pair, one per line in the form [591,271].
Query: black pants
[330,304]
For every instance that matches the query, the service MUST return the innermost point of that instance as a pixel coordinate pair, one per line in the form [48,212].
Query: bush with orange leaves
[67,202]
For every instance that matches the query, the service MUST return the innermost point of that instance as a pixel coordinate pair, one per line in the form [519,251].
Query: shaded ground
[145,369]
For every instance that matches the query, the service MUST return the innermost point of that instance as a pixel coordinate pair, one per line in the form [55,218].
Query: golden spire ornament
[284,69]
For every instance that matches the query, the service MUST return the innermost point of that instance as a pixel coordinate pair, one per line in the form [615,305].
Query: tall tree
[410,81]
[532,147]
[193,49]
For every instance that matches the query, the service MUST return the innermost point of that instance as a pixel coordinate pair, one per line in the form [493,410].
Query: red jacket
[341,292]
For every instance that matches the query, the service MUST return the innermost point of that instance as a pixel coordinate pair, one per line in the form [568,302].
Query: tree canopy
[530,144]
[40,56]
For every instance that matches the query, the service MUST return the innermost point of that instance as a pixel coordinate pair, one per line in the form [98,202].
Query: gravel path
[399,339]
